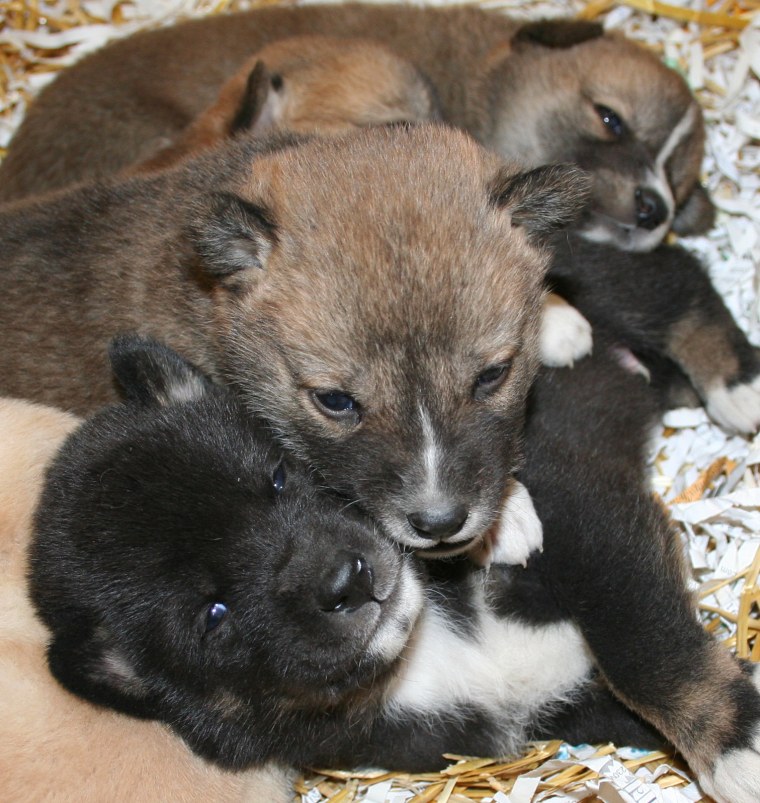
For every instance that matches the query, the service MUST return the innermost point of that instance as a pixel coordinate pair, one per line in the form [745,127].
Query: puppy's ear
[541,200]
[153,374]
[696,215]
[232,236]
[558,33]
[261,105]
[85,665]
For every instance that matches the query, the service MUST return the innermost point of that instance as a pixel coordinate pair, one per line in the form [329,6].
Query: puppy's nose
[346,584]
[439,523]
[650,209]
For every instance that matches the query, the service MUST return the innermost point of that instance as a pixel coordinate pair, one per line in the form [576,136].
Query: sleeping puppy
[176,588]
[54,746]
[696,331]
[537,93]
[307,84]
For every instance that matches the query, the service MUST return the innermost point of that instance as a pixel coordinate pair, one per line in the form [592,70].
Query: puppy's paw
[516,535]
[735,778]
[565,333]
[735,775]
[737,408]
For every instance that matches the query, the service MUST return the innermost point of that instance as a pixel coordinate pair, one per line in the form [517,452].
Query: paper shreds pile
[709,479]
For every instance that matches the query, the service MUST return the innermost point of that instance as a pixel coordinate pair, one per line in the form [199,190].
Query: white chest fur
[504,667]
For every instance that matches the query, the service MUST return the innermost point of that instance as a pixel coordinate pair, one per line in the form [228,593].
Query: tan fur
[702,350]
[394,267]
[53,746]
[427,188]
[329,86]
[531,103]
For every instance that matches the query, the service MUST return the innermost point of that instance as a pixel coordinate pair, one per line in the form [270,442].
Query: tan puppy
[308,84]
[301,274]
[322,85]
[54,746]
[543,92]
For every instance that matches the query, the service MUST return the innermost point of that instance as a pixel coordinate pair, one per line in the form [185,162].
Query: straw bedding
[710,480]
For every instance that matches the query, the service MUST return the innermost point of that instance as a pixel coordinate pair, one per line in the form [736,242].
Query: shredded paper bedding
[710,479]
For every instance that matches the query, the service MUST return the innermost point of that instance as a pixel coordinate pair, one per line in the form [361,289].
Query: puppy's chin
[398,529]
[447,550]
[600,228]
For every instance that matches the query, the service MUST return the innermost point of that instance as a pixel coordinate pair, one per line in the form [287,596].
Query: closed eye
[613,122]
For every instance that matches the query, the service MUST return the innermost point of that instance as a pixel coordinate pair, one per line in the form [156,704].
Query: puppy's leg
[565,333]
[663,302]
[615,565]
[596,715]
[516,535]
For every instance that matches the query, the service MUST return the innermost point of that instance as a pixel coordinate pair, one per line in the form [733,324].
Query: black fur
[156,509]
[558,33]
[153,510]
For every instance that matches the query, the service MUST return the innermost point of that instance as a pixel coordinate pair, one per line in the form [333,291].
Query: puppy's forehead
[393,237]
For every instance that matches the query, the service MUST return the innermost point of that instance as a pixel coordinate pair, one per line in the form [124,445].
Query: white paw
[565,333]
[736,408]
[518,532]
[735,777]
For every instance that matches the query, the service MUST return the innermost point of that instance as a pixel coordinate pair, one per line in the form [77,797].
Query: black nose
[346,584]
[439,523]
[650,209]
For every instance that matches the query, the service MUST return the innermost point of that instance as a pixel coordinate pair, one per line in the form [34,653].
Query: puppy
[200,631]
[542,92]
[307,84]
[190,573]
[54,746]
[259,262]
[706,344]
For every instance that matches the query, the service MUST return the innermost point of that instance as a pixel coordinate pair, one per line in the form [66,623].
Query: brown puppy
[307,84]
[322,85]
[536,93]
[53,745]
[376,297]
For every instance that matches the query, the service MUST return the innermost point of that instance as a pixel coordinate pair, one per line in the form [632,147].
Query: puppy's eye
[214,615]
[489,380]
[611,120]
[336,404]
[278,479]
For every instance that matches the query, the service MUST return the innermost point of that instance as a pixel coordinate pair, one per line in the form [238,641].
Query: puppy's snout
[651,210]
[346,584]
[439,523]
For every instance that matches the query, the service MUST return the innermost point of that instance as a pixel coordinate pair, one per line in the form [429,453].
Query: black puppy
[188,573]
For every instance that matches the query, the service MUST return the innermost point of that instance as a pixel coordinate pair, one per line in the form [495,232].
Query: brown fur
[310,84]
[54,746]
[134,268]
[529,93]
[703,350]
[293,272]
